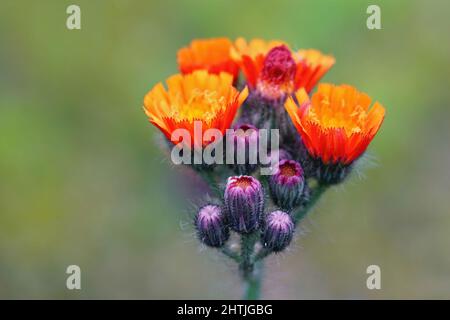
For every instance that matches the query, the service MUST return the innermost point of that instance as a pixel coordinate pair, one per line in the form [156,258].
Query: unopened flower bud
[275,83]
[278,230]
[244,202]
[211,227]
[277,74]
[287,184]
[245,148]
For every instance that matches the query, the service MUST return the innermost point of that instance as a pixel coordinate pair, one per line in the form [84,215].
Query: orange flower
[311,65]
[208,54]
[198,96]
[336,125]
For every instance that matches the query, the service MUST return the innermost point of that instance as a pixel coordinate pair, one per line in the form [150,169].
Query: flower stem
[315,196]
[264,252]
[231,254]
[253,283]
[210,179]
[250,274]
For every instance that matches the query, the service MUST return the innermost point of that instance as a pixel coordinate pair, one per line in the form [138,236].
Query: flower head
[257,55]
[211,227]
[287,184]
[208,54]
[336,125]
[244,202]
[278,73]
[198,96]
[311,67]
[289,172]
[278,230]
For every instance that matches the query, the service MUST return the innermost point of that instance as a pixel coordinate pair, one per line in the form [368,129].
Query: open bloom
[208,54]
[199,96]
[336,125]
[310,65]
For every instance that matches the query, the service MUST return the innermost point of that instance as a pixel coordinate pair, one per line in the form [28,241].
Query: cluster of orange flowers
[336,123]
[321,134]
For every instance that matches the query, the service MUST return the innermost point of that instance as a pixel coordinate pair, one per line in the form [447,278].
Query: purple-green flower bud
[211,227]
[287,185]
[278,229]
[244,203]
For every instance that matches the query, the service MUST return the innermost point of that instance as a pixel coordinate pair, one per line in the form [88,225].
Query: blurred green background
[83,180]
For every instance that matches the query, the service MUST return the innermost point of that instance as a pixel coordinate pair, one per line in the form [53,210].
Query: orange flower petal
[311,67]
[250,56]
[337,124]
[198,96]
[208,54]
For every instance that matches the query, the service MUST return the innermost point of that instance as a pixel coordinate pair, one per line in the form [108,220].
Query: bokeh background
[83,180]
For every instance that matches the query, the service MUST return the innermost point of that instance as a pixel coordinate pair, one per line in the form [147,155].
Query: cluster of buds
[321,135]
[243,211]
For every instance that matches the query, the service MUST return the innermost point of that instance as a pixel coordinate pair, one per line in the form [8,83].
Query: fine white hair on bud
[278,230]
[211,226]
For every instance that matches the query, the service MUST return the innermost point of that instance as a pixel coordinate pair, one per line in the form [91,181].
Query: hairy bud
[287,185]
[244,203]
[278,229]
[211,227]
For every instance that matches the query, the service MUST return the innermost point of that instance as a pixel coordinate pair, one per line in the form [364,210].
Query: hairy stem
[261,254]
[315,196]
[210,179]
[250,274]
[253,283]
[231,254]
[247,245]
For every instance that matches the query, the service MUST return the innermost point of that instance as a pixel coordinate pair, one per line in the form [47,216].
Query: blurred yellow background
[83,180]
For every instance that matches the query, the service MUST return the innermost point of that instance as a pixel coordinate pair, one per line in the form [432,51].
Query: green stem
[231,254]
[247,244]
[250,274]
[209,177]
[253,283]
[264,252]
[315,196]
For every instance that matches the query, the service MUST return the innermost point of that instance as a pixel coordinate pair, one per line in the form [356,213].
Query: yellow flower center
[201,104]
[341,115]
